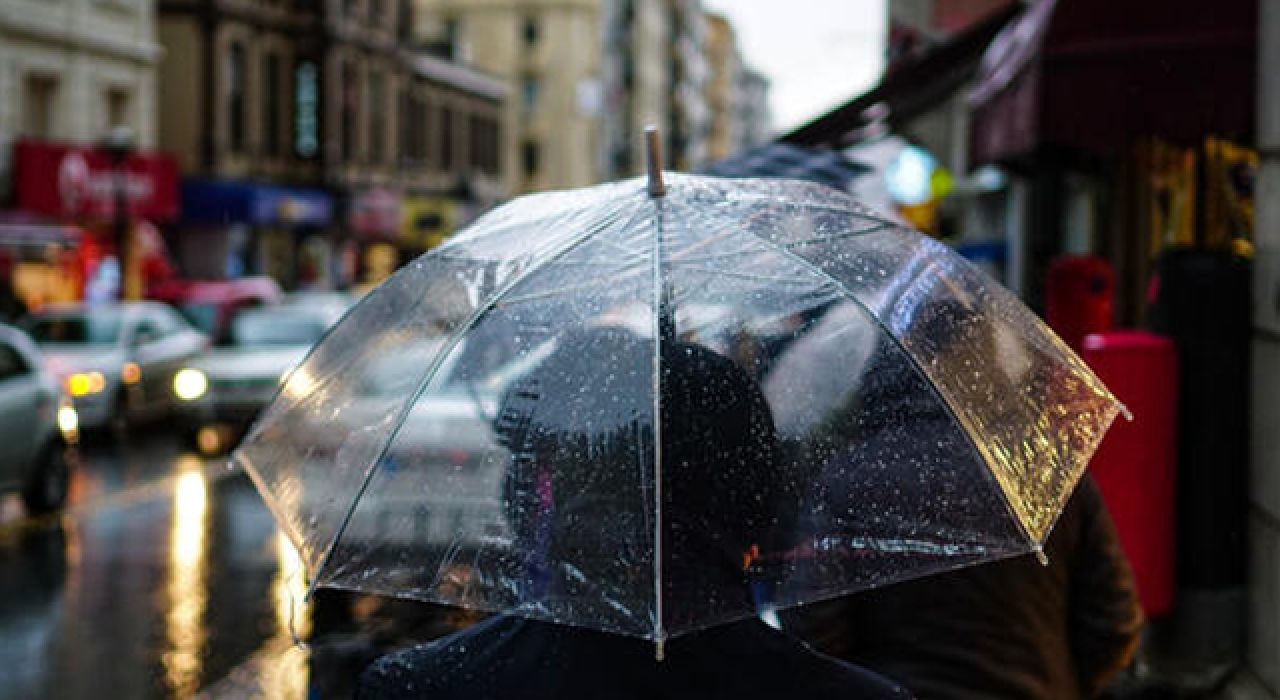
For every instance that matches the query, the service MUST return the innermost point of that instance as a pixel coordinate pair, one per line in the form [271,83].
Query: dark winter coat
[512,657]
[1009,629]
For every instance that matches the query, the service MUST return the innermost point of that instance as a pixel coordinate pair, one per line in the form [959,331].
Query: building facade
[636,83]
[70,70]
[305,129]
[724,89]
[549,55]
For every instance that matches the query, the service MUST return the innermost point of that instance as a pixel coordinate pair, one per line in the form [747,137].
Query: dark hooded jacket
[512,657]
[574,428]
[1009,629]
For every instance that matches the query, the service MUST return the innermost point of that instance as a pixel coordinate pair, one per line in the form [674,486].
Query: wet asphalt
[166,577]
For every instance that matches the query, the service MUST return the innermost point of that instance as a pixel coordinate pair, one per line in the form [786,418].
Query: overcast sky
[816,53]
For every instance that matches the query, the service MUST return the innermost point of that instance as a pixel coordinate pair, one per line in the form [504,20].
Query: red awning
[1096,75]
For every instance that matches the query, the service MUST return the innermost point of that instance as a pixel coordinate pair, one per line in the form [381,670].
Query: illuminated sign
[306,97]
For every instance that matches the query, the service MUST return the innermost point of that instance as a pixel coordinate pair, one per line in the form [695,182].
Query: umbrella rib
[742,275]
[659,322]
[915,365]
[606,282]
[474,318]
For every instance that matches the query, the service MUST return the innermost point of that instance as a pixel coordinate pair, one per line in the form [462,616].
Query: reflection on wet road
[166,576]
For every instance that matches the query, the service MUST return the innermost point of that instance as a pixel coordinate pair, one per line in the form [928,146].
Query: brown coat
[1010,629]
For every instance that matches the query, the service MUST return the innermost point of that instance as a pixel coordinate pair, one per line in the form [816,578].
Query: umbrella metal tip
[653,149]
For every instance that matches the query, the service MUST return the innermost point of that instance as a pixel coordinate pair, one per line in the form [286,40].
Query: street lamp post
[119,144]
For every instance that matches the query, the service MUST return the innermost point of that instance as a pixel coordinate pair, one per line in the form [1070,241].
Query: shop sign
[306,110]
[81,182]
[375,213]
[426,221]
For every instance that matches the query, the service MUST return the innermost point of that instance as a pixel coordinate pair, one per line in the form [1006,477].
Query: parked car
[38,426]
[210,305]
[117,361]
[222,390]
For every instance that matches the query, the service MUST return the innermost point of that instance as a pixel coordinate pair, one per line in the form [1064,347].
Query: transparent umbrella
[619,406]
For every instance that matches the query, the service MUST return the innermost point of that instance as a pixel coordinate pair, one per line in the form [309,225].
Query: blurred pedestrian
[716,429]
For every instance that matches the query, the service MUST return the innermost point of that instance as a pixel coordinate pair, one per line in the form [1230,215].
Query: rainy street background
[193,192]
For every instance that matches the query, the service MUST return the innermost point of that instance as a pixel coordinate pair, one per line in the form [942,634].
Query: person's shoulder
[812,674]
[431,668]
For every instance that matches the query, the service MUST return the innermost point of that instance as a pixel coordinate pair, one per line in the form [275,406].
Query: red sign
[81,182]
[375,213]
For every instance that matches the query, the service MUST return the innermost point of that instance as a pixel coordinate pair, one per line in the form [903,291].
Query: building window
[529,157]
[236,104]
[529,31]
[417,125]
[39,94]
[348,108]
[377,121]
[446,139]
[484,145]
[117,104]
[271,104]
[306,110]
[453,39]
[530,89]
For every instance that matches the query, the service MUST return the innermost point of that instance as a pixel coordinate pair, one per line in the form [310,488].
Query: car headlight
[68,421]
[190,384]
[85,383]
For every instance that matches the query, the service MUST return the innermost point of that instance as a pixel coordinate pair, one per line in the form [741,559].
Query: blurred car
[38,426]
[117,361]
[222,390]
[326,301]
[210,305]
[441,482]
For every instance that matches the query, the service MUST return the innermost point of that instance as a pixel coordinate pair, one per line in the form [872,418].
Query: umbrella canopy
[616,410]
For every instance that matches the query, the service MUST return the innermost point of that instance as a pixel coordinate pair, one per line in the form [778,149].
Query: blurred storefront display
[233,228]
[66,197]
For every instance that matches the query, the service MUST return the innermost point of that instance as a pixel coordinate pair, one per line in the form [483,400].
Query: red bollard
[1135,465]
[1079,293]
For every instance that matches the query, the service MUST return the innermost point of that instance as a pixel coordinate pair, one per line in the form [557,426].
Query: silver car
[117,361]
[222,390]
[38,427]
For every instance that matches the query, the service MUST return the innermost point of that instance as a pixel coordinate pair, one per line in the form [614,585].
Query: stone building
[70,70]
[548,53]
[304,127]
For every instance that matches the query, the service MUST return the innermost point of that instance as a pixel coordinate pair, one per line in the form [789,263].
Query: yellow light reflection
[299,383]
[287,676]
[187,595]
[130,373]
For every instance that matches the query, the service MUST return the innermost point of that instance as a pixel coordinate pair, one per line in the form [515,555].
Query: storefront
[234,228]
[60,187]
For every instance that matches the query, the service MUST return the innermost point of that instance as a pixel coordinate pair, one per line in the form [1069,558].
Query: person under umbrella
[716,430]
[1010,629]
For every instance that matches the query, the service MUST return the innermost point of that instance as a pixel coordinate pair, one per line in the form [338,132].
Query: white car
[38,427]
[440,482]
[222,390]
[117,361]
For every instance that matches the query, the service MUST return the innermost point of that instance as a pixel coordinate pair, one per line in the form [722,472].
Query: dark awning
[1093,76]
[826,167]
[908,90]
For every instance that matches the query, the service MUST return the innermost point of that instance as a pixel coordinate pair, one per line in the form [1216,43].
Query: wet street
[165,577]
